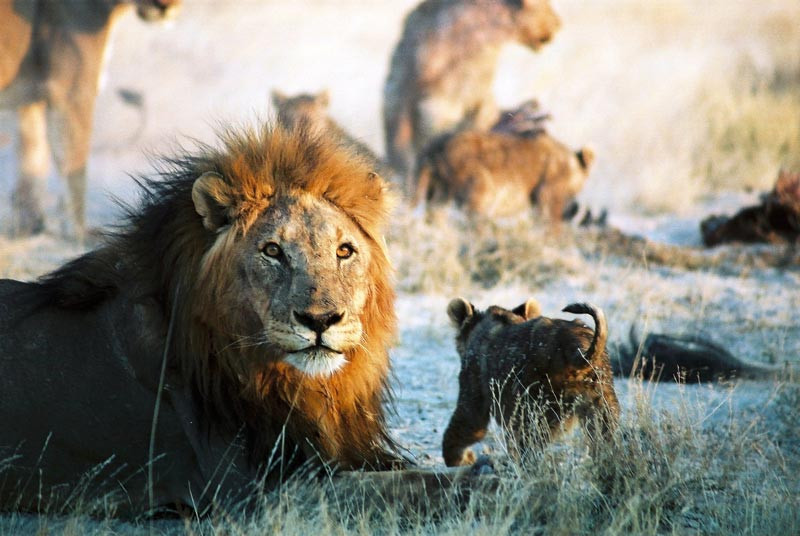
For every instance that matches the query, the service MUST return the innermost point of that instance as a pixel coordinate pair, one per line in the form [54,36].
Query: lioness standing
[533,374]
[442,69]
[51,56]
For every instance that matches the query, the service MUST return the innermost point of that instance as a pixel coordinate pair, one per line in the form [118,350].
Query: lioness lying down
[503,172]
[533,374]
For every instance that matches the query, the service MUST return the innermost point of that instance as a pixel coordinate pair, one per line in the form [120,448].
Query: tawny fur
[499,173]
[442,68]
[51,55]
[82,347]
[312,110]
[531,373]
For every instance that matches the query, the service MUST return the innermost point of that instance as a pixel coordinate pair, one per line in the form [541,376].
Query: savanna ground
[692,108]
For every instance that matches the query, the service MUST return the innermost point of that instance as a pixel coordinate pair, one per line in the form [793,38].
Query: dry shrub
[446,251]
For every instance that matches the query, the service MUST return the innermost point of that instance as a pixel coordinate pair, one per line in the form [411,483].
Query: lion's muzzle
[321,339]
[318,323]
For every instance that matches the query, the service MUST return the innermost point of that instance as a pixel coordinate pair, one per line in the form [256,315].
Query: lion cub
[503,171]
[533,374]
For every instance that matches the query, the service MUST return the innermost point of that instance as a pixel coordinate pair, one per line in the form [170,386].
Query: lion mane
[182,260]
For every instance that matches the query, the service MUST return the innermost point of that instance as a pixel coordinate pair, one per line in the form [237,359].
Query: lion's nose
[318,322]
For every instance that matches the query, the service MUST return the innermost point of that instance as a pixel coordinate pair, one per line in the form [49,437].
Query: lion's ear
[529,309]
[323,98]
[278,97]
[585,157]
[212,199]
[459,310]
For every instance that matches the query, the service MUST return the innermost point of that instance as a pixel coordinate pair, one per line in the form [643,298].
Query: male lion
[533,374]
[502,172]
[50,60]
[252,283]
[442,69]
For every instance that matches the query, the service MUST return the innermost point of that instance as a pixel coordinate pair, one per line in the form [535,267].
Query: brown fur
[312,109]
[442,69]
[50,60]
[532,373]
[501,172]
[192,262]
[776,220]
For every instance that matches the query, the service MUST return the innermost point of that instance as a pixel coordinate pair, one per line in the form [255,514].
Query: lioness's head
[155,10]
[536,22]
[311,109]
[295,268]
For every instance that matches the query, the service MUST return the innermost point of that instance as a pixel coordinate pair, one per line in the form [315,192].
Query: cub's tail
[598,345]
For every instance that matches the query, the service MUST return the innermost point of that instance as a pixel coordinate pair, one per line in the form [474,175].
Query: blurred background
[691,106]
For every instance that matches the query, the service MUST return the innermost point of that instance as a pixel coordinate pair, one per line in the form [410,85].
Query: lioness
[233,332]
[50,60]
[503,172]
[312,109]
[442,68]
[533,374]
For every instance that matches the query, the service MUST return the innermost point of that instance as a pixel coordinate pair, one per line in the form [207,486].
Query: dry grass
[444,251]
[663,472]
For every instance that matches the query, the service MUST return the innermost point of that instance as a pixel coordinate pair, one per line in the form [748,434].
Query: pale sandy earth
[218,61]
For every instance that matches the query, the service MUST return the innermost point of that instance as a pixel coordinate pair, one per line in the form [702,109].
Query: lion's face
[305,266]
[297,281]
[537,23]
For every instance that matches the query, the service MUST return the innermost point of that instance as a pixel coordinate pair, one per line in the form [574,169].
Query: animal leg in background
[72,127]
[33,155]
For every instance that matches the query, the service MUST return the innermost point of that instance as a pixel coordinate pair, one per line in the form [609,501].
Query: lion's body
[84,396]
[51,55]
[501,173]
[261,267]
[442,69]
[531,373]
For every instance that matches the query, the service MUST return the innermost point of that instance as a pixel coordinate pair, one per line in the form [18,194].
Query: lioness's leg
[34,158]
[399,150]
[416,489]
[73,122]
[467,426]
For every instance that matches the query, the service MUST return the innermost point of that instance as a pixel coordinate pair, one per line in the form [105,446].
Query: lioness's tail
[598,345]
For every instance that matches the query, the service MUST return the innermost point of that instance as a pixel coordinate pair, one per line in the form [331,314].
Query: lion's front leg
[418,489]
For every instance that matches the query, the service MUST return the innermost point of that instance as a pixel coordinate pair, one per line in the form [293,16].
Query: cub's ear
[459,310]
[323,98]
[212,199]
[529,309]
[585,157]
[278,97]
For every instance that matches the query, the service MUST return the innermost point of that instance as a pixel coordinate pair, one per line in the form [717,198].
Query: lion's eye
[272,250]
[345,251]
